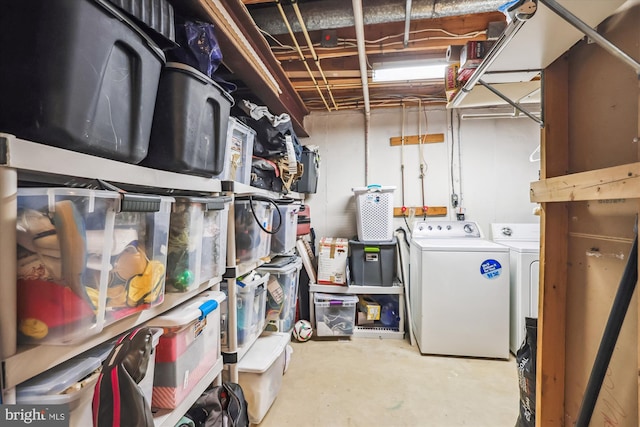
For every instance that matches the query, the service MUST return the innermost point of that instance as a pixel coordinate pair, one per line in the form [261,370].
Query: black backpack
[219,403]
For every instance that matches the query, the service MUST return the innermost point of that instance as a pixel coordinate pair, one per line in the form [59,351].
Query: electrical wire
[460,198]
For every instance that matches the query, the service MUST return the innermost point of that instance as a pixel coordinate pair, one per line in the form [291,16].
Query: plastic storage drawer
[138,254]
[71,89]
[197,242]
[62,281]
[239,150]
[284,241]
[260,373]
[188,348]
[60,386]
[282,293]
[372,263]
[253,224]
[335,314]
[189,132]
[251,301]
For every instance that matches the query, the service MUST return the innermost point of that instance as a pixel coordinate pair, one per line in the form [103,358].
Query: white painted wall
[494,157]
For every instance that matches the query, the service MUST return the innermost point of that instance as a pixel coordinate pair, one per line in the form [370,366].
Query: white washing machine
[523,241]
[459,290]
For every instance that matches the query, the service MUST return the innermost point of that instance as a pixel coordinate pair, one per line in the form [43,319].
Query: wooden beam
[554,222]
[617,182]
[418,211]
[415,139]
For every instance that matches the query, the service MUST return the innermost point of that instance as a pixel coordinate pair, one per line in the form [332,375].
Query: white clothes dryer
[523,241]
[459,290]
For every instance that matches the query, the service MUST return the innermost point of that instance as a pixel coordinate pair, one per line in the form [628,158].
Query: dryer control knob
[439,227]
[448,227]
[430,227]
[468,228]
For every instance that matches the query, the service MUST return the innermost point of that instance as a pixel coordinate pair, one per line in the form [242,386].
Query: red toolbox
[304,221]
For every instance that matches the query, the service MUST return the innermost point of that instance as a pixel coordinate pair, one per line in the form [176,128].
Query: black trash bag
[271,130]
[219,406]
[199,46]
[526,360]
[265,174]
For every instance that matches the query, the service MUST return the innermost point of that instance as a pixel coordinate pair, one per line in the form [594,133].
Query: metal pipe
[565,14]
[359,25]
[511,30]
[610,336]
[510,102]
[313,52]
[302,58]
[328,14]
[407,22]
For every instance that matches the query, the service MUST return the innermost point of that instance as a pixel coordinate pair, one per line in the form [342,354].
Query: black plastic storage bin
[156,17]
[308,183]
[372,263]
[189,133]
[78,74]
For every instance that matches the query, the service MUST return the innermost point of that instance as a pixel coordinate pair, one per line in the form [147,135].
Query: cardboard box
[473,52]
[451,83]
[332,260]
[369,308]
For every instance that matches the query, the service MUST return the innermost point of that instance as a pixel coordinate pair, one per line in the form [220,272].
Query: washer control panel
[445,229]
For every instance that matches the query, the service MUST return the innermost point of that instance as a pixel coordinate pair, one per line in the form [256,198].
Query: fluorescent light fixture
[407,70]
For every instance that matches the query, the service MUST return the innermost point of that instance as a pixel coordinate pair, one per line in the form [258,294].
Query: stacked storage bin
[372,260]
[138,254]
[237,156]
[284,240]
[188,348]
[197,242]
[87,258]
[251,300]
[260,373]
[189,133]
[253,225]
[62,285]
[100,102]
[282,292]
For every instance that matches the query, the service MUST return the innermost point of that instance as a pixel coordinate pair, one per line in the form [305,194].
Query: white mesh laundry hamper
[374,212]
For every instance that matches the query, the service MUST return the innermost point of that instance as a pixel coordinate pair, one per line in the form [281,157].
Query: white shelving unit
[30,161]
[365,331]
[526,48]
[234,353]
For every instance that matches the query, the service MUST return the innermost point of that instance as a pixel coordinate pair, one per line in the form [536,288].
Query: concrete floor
[373,382]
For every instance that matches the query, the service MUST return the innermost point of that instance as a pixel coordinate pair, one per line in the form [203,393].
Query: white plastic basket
[374,212]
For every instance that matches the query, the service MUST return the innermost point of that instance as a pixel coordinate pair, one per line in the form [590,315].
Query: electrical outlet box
[329,38]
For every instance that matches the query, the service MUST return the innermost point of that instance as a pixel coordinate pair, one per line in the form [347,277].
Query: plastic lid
[59,378]
[264,352]
[188,311]
[318,296]
[291,264]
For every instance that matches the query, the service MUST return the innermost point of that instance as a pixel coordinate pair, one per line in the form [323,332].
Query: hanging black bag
[117,398]
[526,360]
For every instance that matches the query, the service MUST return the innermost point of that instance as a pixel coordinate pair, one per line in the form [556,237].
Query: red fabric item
[51,303]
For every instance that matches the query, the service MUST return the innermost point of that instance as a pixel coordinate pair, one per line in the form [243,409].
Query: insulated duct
[328,14]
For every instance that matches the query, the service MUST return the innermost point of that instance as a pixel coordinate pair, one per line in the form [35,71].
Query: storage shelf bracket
[510,102]
[565,14]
